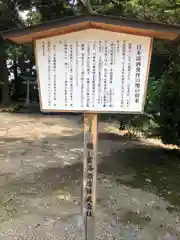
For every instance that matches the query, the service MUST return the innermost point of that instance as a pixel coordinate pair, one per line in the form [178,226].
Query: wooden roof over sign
[81,22]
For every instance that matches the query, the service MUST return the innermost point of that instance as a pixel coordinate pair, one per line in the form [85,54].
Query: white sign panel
[93,70]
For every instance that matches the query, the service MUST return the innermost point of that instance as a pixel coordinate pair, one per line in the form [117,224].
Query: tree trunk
[15,66]
[4,75]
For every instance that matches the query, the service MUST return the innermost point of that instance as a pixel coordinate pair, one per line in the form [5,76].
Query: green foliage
[153,95]
[163,95]
[9,15]
[51,10]
[169,119]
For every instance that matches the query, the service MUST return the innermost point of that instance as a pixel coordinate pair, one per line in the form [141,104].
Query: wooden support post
[89,174]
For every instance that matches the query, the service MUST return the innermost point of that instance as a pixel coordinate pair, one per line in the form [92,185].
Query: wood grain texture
[88,111]
[90,149]
[38,81]
[51,33]
[147,75]
[107,23]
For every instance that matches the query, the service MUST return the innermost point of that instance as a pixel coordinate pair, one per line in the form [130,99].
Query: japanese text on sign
[92,70]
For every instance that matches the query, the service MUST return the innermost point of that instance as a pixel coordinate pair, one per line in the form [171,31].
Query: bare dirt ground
[40,179]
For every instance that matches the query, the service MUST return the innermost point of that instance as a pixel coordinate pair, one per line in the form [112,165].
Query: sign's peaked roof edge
[104,22]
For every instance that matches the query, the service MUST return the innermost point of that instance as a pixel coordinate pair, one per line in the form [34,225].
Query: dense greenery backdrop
[162,115]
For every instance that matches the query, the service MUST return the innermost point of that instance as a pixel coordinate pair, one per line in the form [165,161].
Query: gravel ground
[40,178]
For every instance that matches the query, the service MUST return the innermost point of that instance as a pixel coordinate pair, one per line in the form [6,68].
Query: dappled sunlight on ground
[41,178]
[38,127]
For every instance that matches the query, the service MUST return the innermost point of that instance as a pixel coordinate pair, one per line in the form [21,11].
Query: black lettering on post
[89,211]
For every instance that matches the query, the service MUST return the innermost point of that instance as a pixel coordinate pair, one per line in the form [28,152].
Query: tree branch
[86,7]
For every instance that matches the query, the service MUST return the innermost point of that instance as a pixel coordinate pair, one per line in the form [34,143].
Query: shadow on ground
[153,169]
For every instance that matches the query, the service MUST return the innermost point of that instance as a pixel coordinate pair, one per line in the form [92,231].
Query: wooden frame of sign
[105,106]
[93,64]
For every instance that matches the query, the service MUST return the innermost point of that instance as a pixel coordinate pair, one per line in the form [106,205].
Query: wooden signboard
[92,64]
[93,71]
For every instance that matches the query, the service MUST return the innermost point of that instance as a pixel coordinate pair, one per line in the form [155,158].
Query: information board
[93,70]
